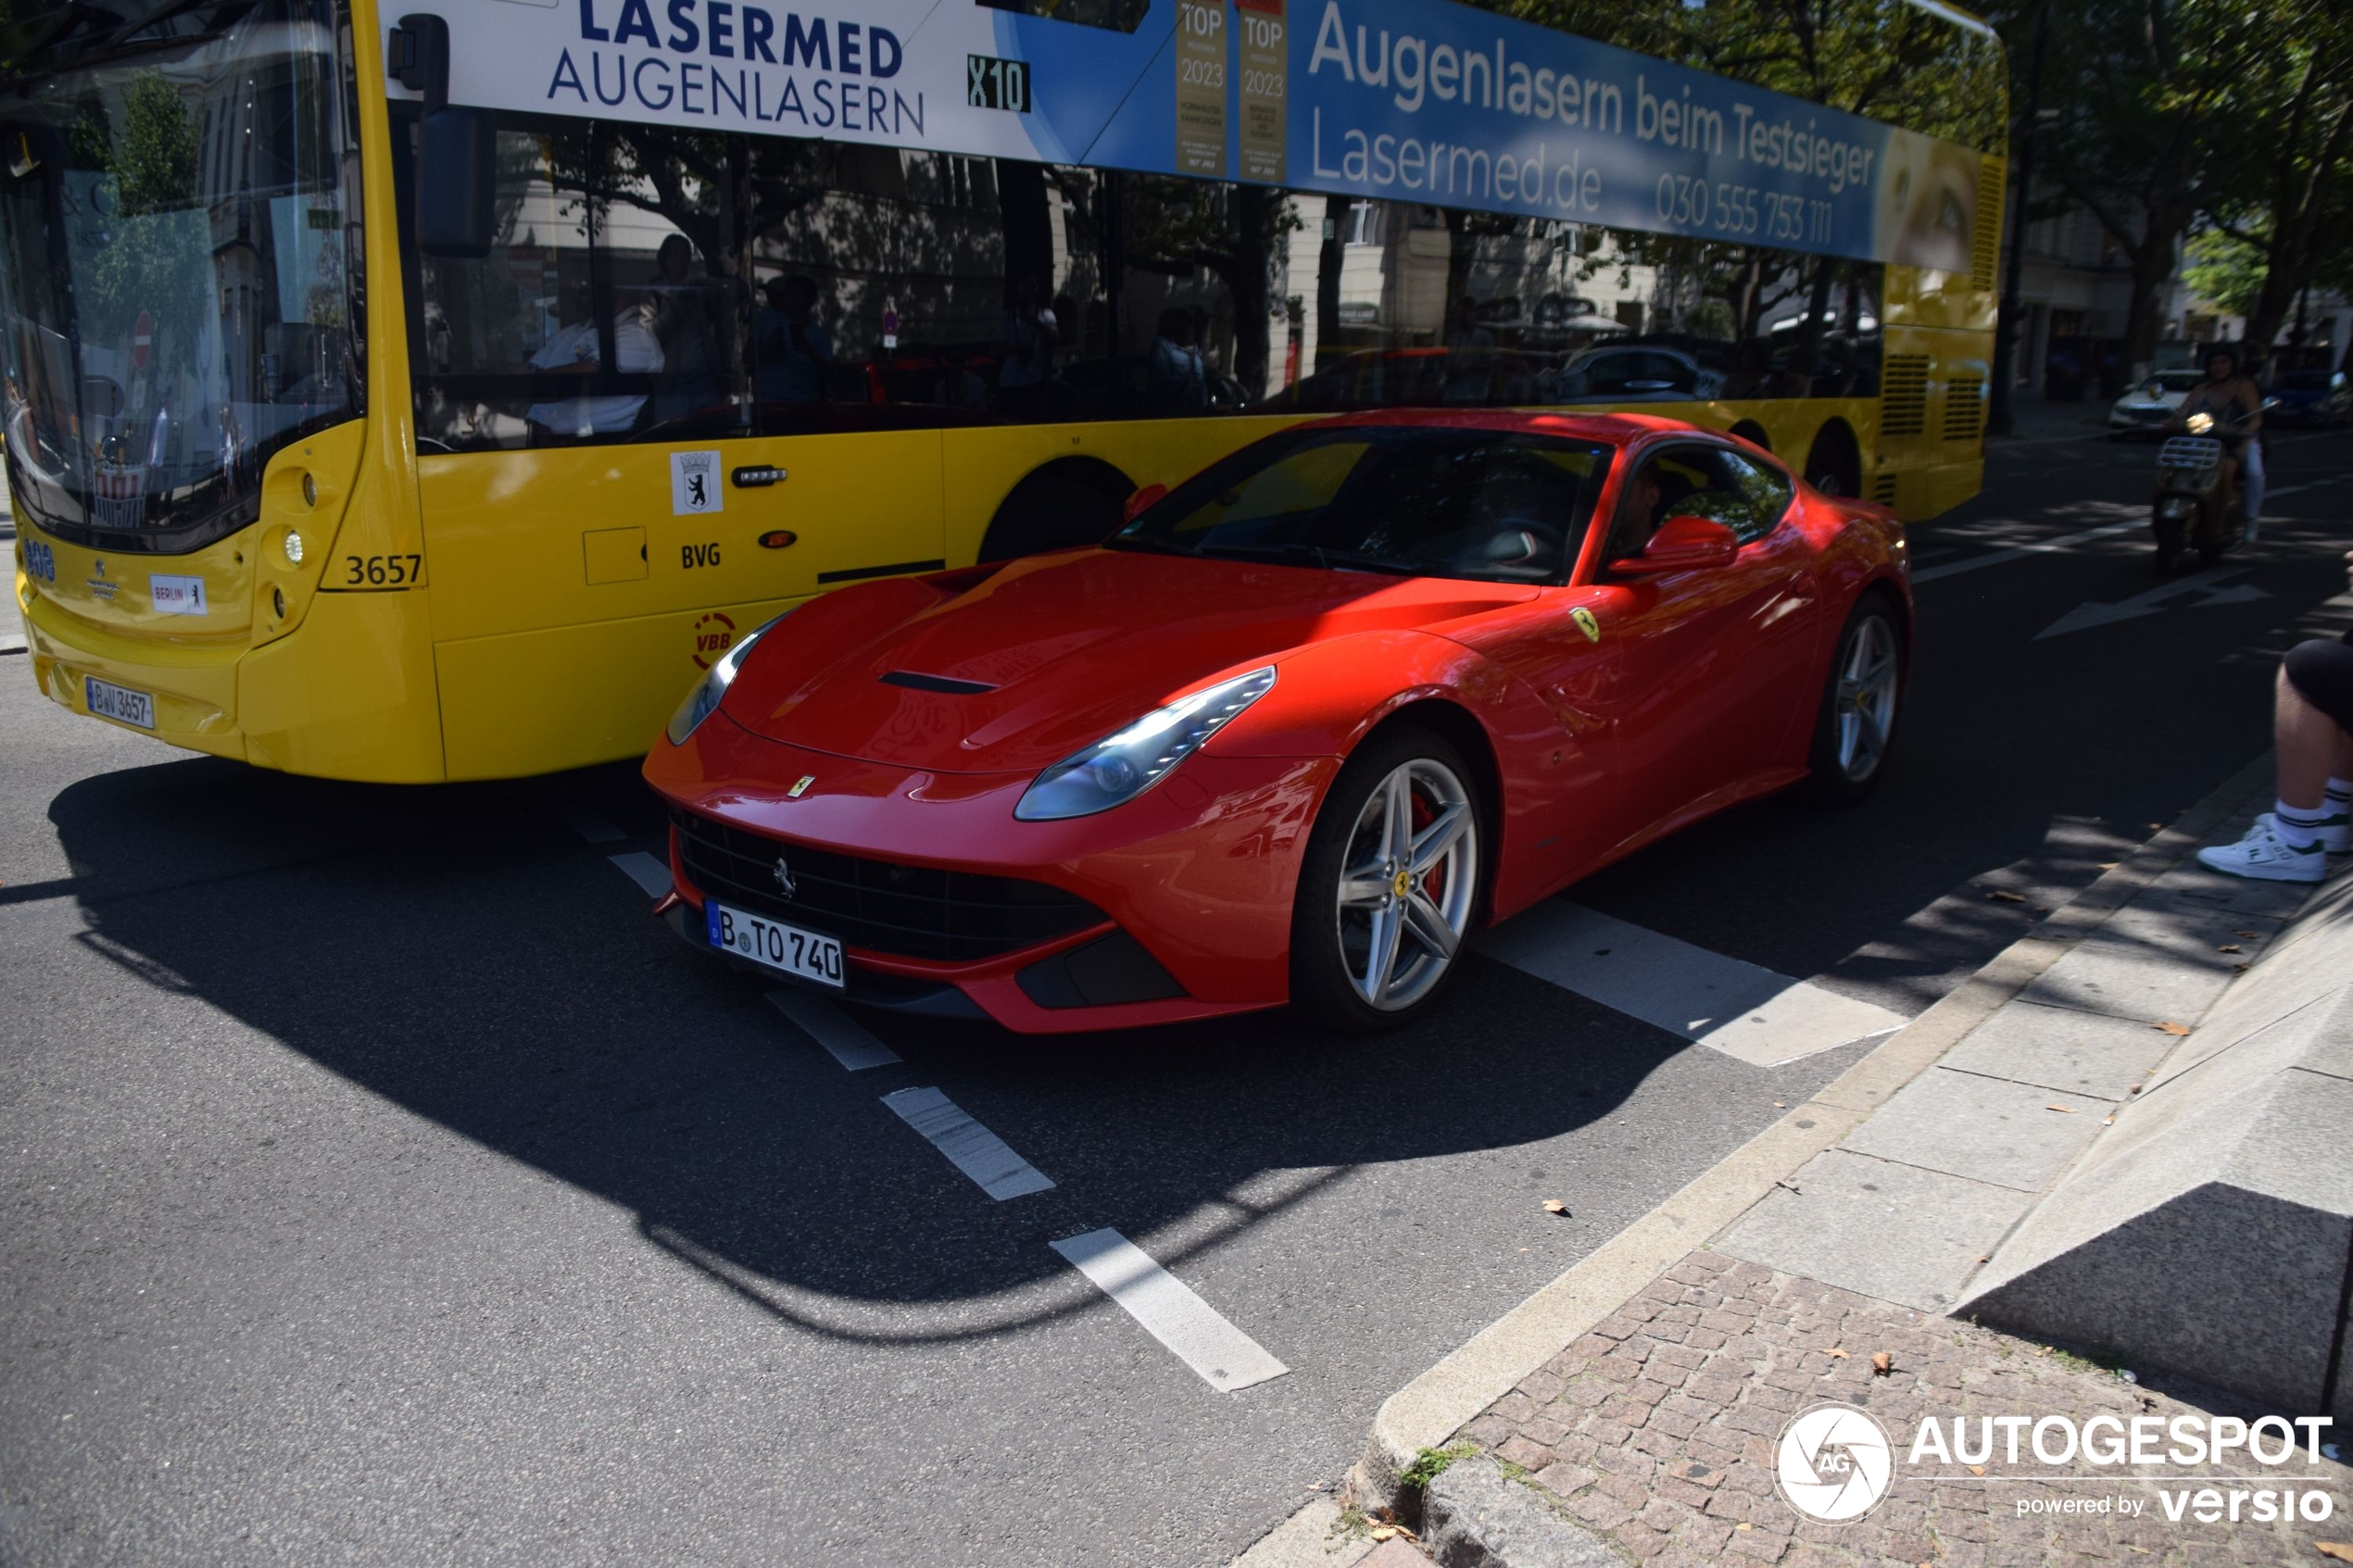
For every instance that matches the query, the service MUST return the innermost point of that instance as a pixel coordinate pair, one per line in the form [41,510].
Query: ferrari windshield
[1496,506]
[177,224]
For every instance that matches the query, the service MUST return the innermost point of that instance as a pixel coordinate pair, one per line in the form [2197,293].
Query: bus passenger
[1027,337]
[1174,380]
[794,351]
[573,351]
[683,308]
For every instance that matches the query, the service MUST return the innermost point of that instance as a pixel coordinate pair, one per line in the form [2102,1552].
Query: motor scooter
[2198,502]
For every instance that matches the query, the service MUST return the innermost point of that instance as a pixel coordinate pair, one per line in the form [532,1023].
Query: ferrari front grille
[879,905]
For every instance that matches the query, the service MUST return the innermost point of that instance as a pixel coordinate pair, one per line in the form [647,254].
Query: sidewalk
[1821,1264]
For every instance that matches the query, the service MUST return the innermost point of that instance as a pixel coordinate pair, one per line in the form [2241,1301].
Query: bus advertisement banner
[1413,100]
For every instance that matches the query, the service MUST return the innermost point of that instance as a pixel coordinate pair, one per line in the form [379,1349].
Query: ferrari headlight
[704,699]
[1121,767]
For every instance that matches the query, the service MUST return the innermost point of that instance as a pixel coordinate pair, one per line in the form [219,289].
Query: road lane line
[1740,1008]
[970,1147]
[1225,1358]
[645,871]
[837,1031]
[589,825]
[2019,552]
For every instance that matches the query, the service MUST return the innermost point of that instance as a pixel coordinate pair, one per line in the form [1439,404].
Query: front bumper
[1199,876]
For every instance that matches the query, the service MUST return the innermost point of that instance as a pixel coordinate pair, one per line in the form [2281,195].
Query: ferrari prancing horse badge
[1586,623]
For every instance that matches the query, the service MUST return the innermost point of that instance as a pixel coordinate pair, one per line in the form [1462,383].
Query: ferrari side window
[1703,481]
[1767,493]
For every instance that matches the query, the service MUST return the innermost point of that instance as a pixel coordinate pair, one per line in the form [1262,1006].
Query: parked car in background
[2312,397]
[2144,409]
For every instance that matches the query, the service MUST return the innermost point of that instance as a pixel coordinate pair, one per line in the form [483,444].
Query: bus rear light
[278,603]
[292,544]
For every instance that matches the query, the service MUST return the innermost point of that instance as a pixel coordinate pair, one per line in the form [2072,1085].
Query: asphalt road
[381,1184]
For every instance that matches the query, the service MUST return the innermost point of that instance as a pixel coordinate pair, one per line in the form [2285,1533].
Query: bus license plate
[786,948]
[120,703]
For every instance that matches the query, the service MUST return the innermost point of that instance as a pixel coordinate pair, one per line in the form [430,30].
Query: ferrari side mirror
[1682,544]
[1137,502]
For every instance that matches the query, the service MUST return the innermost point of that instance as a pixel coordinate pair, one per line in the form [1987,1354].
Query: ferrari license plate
[808,954]
[110,701]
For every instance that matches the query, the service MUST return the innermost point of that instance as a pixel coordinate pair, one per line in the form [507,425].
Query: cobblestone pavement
[1657,1430]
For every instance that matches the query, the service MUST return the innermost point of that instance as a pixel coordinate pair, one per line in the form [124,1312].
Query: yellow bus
[430,396]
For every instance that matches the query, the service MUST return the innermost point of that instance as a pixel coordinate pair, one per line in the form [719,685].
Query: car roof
[1616,430]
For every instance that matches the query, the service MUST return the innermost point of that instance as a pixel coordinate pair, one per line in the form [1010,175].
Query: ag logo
[1833,1463]
[715,634]
[1586,623]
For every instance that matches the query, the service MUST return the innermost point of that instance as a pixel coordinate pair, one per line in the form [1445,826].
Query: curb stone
[1434,1406]
[1475,1516]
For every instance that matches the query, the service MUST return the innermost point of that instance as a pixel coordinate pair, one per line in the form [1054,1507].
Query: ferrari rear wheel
[1390,884]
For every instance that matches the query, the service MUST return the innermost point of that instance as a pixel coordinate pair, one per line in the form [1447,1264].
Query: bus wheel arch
[1068,502]
[1834,463]
[1754,434]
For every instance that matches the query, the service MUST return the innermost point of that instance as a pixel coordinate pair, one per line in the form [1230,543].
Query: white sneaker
[2263,855]
[2336,834]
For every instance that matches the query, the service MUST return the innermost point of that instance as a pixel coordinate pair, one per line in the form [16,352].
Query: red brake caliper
[1435,883]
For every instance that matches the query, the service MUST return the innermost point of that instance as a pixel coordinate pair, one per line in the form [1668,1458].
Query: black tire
[1051,512]
[2170,536]
[2224,536]
[1834,465]
[1323,988]
[1841,776]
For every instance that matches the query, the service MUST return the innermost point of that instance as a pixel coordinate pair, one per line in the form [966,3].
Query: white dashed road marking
[1740,1008]
[645,871]
[2019,552]
[834,1029]
[970,1147]
[589,825]
[1225,1356]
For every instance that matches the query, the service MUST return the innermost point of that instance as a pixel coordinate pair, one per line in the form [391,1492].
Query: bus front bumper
[191,689]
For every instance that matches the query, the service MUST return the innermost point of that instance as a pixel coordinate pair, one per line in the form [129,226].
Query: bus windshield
[178,234]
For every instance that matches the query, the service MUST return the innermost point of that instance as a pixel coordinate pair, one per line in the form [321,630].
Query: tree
[2287,143]
[1174,226]
[2224,270]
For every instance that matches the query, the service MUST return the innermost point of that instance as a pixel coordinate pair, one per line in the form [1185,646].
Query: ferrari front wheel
[1857,720]
[1389,887]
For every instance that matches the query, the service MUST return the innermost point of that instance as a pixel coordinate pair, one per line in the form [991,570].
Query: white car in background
[2149,405]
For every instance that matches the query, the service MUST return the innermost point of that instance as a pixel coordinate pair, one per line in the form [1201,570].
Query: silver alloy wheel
[1406,892]
[1867,691]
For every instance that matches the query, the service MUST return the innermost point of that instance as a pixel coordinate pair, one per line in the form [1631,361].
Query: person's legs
[2312,709]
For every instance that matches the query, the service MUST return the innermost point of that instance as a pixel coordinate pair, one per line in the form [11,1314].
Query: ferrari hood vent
[952,686]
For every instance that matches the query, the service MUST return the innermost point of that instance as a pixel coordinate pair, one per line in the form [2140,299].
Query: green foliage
[156,149]
[2224,270]
[1430,1463]
[146,232]
[1885,58]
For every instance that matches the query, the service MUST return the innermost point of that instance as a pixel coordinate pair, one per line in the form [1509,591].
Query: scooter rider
[2234,399]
